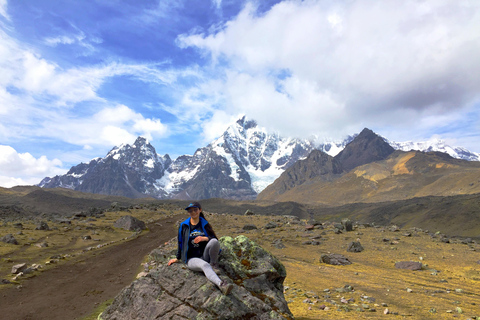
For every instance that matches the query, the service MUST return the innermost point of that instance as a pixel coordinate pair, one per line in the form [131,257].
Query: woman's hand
[171,261]
[200,239]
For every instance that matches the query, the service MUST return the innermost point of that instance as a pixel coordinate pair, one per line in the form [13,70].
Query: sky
[78,78]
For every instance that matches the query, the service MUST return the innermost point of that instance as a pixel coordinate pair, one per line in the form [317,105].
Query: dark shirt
[195,250]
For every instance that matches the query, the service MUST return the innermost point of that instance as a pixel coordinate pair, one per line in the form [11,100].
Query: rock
[130,223]
[347,224]
[9,238]
[42,244]
[338,226]
[42,225]
[394,228]
[409,265]
[175,292]
[4,281]
[271,225]
[19,268]
[335,259]
[249,213]
[18,225]
[278,244]
[249,227]
[355,246]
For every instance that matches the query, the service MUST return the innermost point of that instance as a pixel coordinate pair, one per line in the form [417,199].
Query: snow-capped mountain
[436,145]
[238,165]
[127,170]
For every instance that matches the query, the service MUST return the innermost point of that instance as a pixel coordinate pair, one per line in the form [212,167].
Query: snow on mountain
[264,156]
[436,145]
[237,165]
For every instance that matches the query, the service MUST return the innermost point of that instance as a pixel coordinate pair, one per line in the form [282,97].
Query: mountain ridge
[239,165]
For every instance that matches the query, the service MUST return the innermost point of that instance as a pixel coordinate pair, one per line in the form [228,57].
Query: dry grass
[450,280]
[66,240]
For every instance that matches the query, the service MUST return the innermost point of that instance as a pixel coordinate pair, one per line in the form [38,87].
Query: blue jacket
[184,233]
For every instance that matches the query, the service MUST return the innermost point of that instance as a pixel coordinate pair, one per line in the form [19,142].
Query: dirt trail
[74,289]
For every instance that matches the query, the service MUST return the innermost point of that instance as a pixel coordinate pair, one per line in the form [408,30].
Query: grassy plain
[447,288]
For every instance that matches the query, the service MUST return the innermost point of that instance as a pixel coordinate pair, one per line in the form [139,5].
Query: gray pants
[210,255]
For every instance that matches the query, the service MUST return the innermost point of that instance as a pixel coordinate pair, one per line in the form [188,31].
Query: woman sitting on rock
[199,248]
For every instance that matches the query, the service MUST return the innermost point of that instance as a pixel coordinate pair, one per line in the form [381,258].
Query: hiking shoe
[216,268]
[226,287]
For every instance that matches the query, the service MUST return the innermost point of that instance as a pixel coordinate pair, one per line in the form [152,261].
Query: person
[199,248]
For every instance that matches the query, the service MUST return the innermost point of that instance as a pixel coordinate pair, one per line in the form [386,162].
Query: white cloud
[3,9]
[331,67]
[22,168]
[108,127]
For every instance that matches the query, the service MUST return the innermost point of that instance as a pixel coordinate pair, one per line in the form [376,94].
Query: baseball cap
[194,205]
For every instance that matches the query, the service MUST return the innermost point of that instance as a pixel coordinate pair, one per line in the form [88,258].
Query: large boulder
[9,238]
[175,292]
[130,223]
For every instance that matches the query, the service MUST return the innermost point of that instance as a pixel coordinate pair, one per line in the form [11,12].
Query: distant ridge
[374,172]
[238,165]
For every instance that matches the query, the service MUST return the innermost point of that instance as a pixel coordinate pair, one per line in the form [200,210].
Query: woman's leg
[211,251]
[197,264]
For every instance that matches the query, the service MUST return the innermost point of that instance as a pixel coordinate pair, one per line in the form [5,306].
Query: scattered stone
[347,224]
[345,288]
[409,265]
[4,281]
[87,237]
[18,225]
[249,227]
[278,244]
[338,226]
[312,242]
[249,213]
[9,238]
[409,290]
[42,245]
[355,246]
[42,225]
[130,223]
[271,225]
[394,228]
[335,259]
[19,268]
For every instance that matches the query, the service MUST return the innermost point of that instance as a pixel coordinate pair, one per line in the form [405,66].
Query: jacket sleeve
[179,246]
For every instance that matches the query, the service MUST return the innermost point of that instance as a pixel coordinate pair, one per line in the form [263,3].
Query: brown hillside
[403,175]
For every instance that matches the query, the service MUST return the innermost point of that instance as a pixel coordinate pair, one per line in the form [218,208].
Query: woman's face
[194,212]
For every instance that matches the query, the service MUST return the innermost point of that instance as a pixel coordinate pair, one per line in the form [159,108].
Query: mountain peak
[245,123]
[365,148]
[141,141]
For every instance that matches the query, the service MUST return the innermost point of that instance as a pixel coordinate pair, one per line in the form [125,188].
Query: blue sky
[80,77]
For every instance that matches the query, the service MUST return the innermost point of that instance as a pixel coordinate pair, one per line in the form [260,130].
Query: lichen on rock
[171,292]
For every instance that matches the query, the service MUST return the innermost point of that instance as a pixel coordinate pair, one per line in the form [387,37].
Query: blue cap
[194,205]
